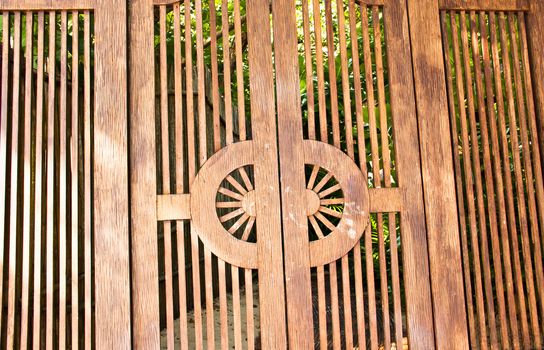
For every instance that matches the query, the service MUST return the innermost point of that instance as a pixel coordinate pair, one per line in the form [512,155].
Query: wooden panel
[438,176]
[484,5]
[493,49]
[111,179]
[17,5]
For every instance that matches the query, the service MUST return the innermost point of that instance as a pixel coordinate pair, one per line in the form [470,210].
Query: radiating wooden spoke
[325,221]
[236,184]
[329,190]
[239,223]
[313,177]
[332,201]
[236,204]
[330,212]
[230,193]
[246,179]
[316,227]
[231,215]
[323,182]
[247,230]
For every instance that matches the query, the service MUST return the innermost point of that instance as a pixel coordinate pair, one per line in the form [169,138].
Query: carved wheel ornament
[337,203]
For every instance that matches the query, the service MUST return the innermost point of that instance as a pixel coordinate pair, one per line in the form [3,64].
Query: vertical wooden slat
[457,163]
[165,158]
[333,93]
[320,71]
[386,171]
[50,179]
[215,78]
[489,185]
[469,186]
[62,181]
[38,205]
[373,146]
[74,176]
[494,73]
[3,145]
[520,191]
[145,286]
[269,242]
[180,175]
[348,123]
[87,170]
[110,179]
[27,178]
[13,212]
[534,36]
[437,175]
[528,175]
[249,310]
[309,69]
[226,75]
[239,70]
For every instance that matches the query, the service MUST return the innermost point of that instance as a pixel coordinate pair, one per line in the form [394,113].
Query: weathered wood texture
[51,245]
[491,100]
[438,176]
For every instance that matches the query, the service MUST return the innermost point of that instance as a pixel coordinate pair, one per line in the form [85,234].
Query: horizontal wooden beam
[485,5]
[49,5]
[171,207]
[386,200]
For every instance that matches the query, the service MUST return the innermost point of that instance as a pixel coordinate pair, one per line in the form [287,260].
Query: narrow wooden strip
[27,178]
[313,177]
[50,180]
[223,312]
[227,98]
[241,220]
[230,193]
[325,221]
[180,177]
[62,181]
[322,307]
[505,220]
[13,212]
[232,215]
[395,278]
[165,158]
[335,311]
[348,122]
[172,207]
[239,71]
[370,96]
[330,212]
[210,326]
[201,84]
[384,288]
[308,60]
[47,5]
[354,35]
[372,314]
[469,179]
[236,308]
[323,182]
[189,89]
[522,214]
[247,229]
[250,322]
[236,184]
[195,263]
[36,318]
[3,143]
[332,201]
[333,93]
[346,294]
[87,180]
[320,72]
[528,172]
[245,178]
[484,5]
[216,108]
[316,227]
[359,294]
[458,178]
[228,204]
[74,178]
[329,191]
[531,116]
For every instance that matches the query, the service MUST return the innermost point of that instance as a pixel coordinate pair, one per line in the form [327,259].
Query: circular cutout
[235,204]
